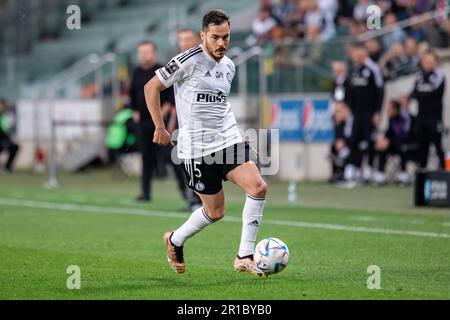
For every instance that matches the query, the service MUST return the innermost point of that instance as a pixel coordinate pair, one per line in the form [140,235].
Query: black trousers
[430,133]
[338,163]
[406,152]
[166,157]
[393,149]
[148,151]
[152,153]
[12,149]
[361,142]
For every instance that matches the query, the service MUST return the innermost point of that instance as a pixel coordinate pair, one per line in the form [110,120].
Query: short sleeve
[232,67]
[171,73]
[179,68]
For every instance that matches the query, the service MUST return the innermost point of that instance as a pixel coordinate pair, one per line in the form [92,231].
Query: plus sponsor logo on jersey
[207,98]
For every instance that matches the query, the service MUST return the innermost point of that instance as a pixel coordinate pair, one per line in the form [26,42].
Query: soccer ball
[271,255]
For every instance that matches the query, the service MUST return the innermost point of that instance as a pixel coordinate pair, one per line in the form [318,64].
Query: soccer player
[209,142]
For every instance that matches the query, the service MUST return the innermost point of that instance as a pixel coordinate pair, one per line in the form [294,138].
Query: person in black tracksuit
[343,122]
[365,100]
[145,129]
[429,91]
[399,139]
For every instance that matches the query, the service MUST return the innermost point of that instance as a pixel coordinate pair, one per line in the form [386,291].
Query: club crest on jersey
[211,98]
[219,75]
[229,77]
[199,186]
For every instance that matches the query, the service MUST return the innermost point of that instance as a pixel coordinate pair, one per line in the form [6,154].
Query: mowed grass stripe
[167,214]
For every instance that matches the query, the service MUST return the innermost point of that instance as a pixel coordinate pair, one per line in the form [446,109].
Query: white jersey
[201,85]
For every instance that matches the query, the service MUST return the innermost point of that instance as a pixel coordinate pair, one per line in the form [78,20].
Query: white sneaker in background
[349,172]
[367,174]
[379,178]
[403,178]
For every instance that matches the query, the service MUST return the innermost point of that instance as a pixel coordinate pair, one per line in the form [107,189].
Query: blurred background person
[343,122]
[341,82]
[320,20]
[412,55]
[374,49]
[365,101]
[187,39]
[360,10]
[394,63]
[398,140]
[428,90]
[6,144]
[295,25]
[142,74]
[262,27]
[397,34]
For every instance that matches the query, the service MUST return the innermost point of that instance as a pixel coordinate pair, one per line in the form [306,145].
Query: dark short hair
[149,43]
[215,17]
[396,104]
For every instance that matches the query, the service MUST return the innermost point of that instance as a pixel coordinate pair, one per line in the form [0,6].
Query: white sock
[251,220]
[196,222]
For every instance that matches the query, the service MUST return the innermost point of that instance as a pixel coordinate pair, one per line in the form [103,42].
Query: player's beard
[215,53]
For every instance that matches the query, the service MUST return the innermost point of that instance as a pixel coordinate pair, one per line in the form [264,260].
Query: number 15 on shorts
[192,170]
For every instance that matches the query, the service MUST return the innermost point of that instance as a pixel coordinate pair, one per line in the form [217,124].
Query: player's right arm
[152,92]
[177,70]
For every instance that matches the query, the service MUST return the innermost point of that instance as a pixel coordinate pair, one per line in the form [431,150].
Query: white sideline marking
[387,220]
[364,219]
[167,214]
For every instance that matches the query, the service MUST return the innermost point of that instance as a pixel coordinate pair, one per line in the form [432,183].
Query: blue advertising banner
[307,120]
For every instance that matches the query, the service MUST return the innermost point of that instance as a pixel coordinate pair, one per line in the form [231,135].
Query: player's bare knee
[216,213]
[259,189]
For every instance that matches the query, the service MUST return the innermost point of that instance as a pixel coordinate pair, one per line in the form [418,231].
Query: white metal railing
[91,64]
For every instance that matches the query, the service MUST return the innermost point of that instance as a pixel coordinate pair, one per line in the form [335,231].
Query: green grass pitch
[333,235]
